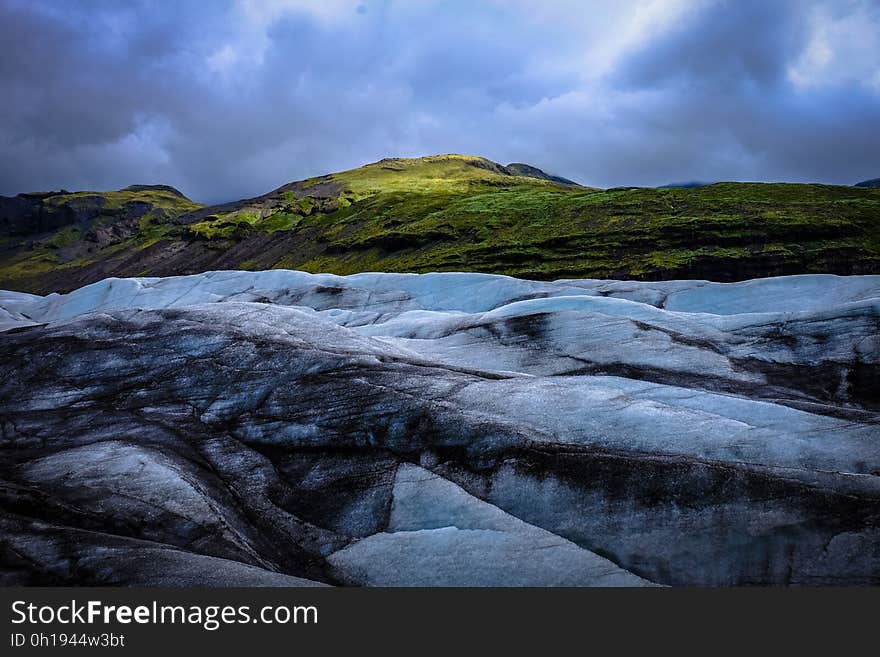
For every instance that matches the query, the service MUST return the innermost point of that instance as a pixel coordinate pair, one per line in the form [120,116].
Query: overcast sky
[231,99]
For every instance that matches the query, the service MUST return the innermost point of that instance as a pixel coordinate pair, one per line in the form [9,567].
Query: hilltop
[444,213]
[46,235]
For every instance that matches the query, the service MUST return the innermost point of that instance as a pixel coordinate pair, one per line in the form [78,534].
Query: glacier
[285,428]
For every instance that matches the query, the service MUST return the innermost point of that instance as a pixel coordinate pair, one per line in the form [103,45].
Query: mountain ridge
[443,213]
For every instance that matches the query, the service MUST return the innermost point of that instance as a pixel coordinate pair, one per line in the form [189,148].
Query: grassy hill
[455,212]
[48,236]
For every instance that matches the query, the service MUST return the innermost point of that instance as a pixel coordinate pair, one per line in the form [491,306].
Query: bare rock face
[282,428]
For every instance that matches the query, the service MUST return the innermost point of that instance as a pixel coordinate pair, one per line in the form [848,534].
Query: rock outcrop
[446,429]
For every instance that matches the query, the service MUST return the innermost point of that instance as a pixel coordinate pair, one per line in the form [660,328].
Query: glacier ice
[442,429]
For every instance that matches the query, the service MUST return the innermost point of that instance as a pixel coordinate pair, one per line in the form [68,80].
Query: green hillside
[454,212]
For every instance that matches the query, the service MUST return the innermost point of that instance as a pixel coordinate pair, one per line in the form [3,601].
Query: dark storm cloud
[726,46]
[726,79]
[226,100]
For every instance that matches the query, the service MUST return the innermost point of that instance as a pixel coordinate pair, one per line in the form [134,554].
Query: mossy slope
[454,212]
[47,236]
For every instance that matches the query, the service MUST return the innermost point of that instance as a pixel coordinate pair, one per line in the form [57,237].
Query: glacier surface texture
[283,428]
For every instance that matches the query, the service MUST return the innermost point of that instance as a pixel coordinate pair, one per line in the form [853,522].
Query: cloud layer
[226,100]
